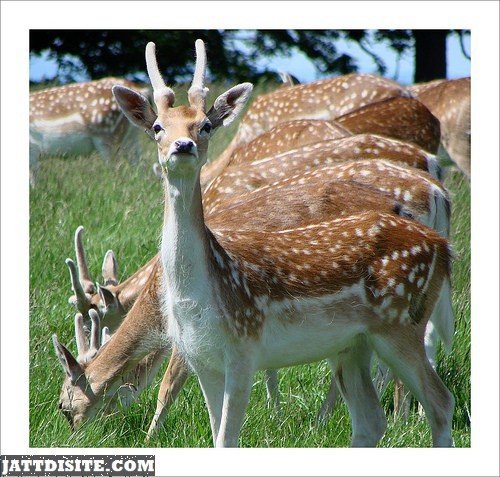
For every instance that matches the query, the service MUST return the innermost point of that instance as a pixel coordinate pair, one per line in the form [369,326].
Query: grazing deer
[265,170]
[239,301]
[123,364]
[325,99]
[449,101]
[401,118]
[79,118]
[112,299]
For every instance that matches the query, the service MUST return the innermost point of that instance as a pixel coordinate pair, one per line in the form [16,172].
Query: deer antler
[80,278]
[80,299]
[86,351]
[164,97]
[197,92]
[83,270]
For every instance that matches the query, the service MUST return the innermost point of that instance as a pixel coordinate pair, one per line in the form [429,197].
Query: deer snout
[182,154]
[184,146]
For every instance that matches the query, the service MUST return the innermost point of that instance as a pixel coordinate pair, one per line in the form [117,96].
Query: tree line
[234,53]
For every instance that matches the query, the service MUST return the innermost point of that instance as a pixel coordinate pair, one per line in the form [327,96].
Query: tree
[430,54]
[234,54]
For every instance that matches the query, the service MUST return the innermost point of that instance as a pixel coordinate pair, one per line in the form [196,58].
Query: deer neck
[184,239]
[138,335]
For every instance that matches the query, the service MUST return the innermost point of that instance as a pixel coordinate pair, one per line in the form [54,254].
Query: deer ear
[110,269]
[108,298]
[68,362]
[229,104]
[135,106]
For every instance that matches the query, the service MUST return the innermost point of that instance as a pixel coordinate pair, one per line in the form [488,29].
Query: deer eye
[157,128]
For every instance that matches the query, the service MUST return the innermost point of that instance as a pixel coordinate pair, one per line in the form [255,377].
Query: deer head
[78,400]
[106,298]
[182,132]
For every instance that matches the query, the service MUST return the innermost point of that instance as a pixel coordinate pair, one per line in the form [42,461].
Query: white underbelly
[55,138]
[308,339]
[309,332]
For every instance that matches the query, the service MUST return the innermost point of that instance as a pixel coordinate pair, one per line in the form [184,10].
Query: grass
[121,208]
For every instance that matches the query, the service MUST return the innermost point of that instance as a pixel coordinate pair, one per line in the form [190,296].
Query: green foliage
[233,53]
[121,207]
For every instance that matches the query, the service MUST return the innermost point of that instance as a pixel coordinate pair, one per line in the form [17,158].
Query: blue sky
[299,65]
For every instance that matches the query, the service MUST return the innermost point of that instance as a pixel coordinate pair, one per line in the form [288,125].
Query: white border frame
[480,17]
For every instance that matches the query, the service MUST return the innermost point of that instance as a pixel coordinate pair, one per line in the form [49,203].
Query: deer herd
[320,233]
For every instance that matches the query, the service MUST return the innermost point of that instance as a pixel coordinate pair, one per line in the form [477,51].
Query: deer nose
[184,145]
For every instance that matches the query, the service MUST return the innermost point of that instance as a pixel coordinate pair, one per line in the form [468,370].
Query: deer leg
[354,380]
[212,385]
[272,388]
[403,350]
[237,387]
[330,399]
[174,378]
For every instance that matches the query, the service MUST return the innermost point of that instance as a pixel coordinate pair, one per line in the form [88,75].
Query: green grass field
[121,208]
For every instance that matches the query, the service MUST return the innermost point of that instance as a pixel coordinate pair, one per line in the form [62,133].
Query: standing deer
[331,192]
[79,118]
[449,101]
[237,302]
[108,300]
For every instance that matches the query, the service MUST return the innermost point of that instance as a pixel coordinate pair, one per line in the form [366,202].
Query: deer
[404,120]
[233,304]
[269,168]
[324,99]
[332,191]
[401,118]
[112,299]
[78,119]
[449,101]
[106,295]
[177,371]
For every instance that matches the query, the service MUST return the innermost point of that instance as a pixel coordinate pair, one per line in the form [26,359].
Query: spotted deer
[258,147]
[80,118]
[325,99]
[402,118]
[239,301]
[268,168]
[402,122]
[421,196]
[331,192]
[112,299]
[449,101]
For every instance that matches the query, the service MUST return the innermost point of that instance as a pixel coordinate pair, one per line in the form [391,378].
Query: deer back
[401,118]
